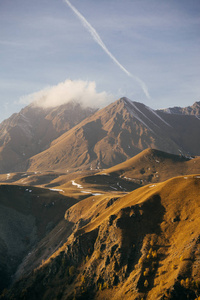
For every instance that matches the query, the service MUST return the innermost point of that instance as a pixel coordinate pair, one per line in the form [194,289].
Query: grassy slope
[106,248]
[155,166]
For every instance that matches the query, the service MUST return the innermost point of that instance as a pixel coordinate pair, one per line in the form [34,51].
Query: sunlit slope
[142,245]
[149,166]
[174,194]
[152,165]
[41,179]
[162,218]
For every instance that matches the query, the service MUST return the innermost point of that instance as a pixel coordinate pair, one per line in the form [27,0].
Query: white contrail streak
[99,41]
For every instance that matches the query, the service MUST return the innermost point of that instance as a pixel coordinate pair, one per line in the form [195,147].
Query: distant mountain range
[189,110]
[71,137]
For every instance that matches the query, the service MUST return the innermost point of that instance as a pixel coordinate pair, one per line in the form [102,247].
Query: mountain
[117,133]
[71,137]
[32,130]
[141,245]
[189,110]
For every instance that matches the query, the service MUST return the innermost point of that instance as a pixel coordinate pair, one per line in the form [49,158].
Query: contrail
[99,41]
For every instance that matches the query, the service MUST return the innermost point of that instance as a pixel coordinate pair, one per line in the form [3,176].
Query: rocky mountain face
[117,133]
[32,130]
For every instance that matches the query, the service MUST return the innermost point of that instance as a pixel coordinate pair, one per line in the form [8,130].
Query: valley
[105,206]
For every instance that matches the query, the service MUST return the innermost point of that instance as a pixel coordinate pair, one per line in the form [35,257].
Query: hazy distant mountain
[117,133]
[32,130]
[189,110]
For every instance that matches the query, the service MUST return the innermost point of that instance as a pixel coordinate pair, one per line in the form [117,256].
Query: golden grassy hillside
[152,165]
[144,245]
[149,166]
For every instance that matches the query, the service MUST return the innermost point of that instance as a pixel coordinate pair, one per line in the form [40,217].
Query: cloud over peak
[80,91]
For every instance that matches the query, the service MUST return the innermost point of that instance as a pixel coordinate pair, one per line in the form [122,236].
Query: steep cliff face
[142,245]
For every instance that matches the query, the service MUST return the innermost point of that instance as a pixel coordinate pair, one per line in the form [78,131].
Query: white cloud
[81,91]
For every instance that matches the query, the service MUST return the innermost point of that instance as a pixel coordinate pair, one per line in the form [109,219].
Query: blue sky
[43,43]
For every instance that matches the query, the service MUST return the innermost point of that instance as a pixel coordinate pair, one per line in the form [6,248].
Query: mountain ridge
[189,110]
[116,133]
[107,137]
